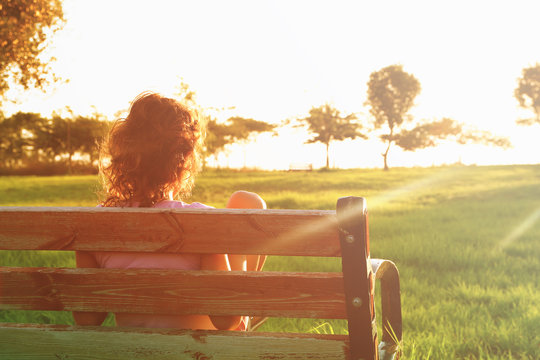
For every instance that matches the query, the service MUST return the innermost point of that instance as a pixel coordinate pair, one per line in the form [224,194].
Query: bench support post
[358,277]
[388,274]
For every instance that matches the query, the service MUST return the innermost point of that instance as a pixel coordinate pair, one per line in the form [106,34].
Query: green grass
[465,239]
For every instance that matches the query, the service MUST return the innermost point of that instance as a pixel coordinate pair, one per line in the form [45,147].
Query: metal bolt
[357,302]
[349,239]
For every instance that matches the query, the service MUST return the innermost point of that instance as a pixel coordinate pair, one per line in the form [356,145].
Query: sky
[274,60]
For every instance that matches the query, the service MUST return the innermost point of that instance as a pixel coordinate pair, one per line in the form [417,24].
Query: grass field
[465,239]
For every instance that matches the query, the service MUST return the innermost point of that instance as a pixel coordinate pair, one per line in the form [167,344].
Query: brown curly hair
[154,151]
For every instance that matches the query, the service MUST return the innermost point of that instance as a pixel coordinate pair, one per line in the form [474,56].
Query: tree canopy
[527,93]
[187,95]
[25,26]
[241,129]
[29,140]
[235,129]
[429,134]
[326,124]
[391,94]
[219,135]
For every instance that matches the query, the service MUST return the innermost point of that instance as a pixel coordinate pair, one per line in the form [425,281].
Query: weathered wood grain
[154,291]
[279,294]
[358,279]
[271,232]
[54,342]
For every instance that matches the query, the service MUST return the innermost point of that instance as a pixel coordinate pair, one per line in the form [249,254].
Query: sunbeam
[325,224]
[525,225]
[413,188]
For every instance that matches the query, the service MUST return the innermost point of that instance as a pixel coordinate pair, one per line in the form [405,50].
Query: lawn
[465,239]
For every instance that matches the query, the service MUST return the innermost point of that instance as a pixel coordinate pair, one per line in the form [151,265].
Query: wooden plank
[280,294]
[44,342]
[271,232]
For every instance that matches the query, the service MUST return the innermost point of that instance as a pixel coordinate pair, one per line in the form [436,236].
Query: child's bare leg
[246,200]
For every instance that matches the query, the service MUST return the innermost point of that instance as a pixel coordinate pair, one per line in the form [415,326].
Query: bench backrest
[347,295]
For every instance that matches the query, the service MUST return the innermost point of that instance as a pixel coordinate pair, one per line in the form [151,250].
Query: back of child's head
[153,151]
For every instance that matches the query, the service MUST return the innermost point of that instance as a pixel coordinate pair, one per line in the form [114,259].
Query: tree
[391,94]
[87,133]
[39,132]
[17,143]
[25,26]
[429,134]
[187,95]
[235,129]
[528,93]
[326,125]
[28,138]
[217,137]
[241,130]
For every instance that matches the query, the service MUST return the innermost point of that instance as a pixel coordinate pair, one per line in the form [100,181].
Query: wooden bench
[343,295]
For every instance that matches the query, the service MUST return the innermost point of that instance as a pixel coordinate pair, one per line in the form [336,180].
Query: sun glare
[273,61]
[522,228]
[415,188]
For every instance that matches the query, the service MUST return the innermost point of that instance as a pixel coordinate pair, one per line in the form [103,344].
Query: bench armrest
[387,272]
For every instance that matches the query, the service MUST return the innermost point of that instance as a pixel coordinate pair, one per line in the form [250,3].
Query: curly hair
[154,151]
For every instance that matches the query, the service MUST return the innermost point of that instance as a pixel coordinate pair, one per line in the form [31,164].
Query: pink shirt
[127,260]
[130,260]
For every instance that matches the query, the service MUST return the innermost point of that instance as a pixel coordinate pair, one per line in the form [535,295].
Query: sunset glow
[273,61]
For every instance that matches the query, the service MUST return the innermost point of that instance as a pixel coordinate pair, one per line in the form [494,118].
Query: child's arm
[220,262]
[87,260]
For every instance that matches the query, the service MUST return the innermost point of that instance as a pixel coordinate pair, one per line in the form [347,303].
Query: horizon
[274,61]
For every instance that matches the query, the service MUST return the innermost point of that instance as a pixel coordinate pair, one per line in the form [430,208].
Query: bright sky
[274,60]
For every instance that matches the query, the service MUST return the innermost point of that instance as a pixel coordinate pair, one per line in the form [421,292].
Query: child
[152,158]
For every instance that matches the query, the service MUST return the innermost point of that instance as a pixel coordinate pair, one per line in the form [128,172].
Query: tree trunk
[385,162]
[245,156]
[385,155]
[69,145]
[327,156]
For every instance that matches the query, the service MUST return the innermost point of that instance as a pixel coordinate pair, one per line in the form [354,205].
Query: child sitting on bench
[150,159]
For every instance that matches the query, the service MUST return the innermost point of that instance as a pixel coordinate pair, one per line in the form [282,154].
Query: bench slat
[271,232]
[279,294]
[43,342]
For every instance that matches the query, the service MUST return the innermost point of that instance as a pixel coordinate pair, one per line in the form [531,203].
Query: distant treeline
[33,144]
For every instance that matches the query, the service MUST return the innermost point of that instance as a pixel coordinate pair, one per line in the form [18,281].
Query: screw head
[349,239]
[357,302]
